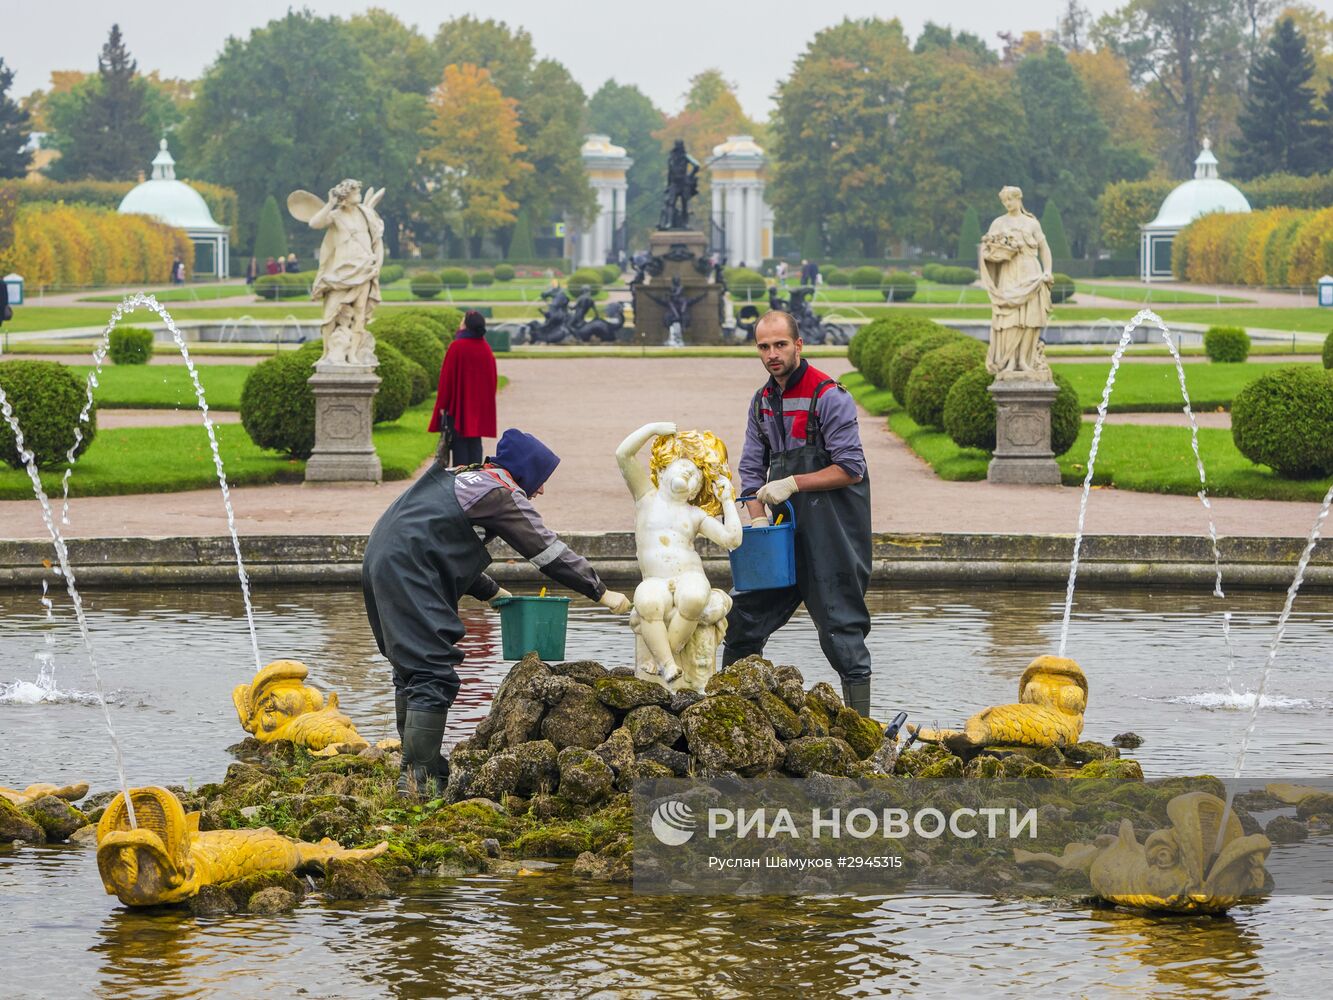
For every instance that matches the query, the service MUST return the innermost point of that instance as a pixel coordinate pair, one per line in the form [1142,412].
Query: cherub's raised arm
[727,532]
[626,457]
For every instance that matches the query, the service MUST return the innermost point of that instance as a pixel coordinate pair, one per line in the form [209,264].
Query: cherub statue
[350,258]
[279,705]
[166,859]
[679,618]
[1052,695]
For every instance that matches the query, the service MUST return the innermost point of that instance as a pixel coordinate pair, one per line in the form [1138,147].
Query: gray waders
[832,571]
[421,558]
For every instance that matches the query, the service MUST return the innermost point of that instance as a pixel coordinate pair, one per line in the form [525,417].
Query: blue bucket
[766,557]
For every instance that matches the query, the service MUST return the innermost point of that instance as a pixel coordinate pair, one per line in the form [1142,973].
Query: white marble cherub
[679,619]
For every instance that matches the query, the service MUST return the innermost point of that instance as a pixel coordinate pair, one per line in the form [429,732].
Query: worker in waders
[802,444]
[428,550]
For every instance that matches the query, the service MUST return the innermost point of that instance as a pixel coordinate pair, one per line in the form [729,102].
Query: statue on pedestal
[682,185]
[676,311]
[1015,266]
[679,619]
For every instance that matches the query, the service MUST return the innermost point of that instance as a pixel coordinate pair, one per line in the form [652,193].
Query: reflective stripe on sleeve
[549,554]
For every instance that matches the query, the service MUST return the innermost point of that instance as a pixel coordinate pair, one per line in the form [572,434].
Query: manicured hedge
[503,272]
[908,356]
[419,340]
[454,277]
[277,404]
[899,286]
[285,286]
[1063,288]
[1328,351]
[837,278]
[1276,247]
[426,285]
[390,273]
[130,345]
[610,274]
[969,412]
[482,278]
[396,372]
[945,275]
[1226,344]
[744,283]
[934,375]
[1284,419]
[46,399]
[589,276]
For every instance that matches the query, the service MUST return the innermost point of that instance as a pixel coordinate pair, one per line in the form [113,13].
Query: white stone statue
[350,259]
[1015,266]
[679,619]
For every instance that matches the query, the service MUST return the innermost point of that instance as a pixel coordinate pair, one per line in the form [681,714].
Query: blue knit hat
[526,459]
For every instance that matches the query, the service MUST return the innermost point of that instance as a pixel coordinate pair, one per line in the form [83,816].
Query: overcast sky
[656,45]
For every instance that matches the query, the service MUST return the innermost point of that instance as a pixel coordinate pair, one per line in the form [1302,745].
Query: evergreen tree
[1323,127]
[1279,133]
[1054,228]
[270,237]
[14,129]
[970,235]
[520,241]
[109,138]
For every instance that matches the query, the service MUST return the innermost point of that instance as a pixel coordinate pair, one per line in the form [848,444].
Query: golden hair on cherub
[706,450]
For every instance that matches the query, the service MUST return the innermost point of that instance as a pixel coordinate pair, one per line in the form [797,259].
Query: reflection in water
[940,654]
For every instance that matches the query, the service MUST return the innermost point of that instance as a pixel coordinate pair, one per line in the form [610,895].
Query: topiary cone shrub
[130,345]
[899,286]
[1226,344]
[46,399]
[929,384]
[969,413]
[426,285]
[1284,419]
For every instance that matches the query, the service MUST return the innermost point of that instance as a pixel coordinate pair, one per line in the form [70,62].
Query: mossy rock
[578,719]
[338,824]
[863,735]
[744,677]
[584,671]
[983,766]
[675,761]
[584,777]
[914,760]
[823,695]
[818,755]
[274,899]
[641,770]
[1285,830]
[945,767]
[480,817]
[814,721]
[653,724]
[352,879]
[618,750]
[15,825]
[239,891]
[1315,805]
[57,818]
[626,693]
[556,840]
[785,722]
[1036,772]
[523,770]
[728,733]
[1086,751]
[1120,769]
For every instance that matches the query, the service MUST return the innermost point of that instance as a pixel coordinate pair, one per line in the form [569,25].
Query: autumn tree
[15,127]
[711,113]
[473,153]
[1133,136]
[1278,124]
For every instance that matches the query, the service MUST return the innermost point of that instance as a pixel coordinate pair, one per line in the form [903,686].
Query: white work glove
[615,602]
[777,492]
[760,521]
[501,593]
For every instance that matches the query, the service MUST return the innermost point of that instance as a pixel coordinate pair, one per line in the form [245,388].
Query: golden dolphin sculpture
[1052,696]
[166,859]
[279,705]
[1175,869]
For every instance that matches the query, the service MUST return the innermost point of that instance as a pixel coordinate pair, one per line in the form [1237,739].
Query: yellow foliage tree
[1274,247]
[474,152]
[1123,108]
[712,112]
[77,245]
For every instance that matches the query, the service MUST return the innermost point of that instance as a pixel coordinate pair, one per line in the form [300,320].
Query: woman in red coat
[467,391]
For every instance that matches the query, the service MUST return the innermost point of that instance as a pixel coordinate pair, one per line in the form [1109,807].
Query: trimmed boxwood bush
[130,345]
[1063,288]
[419,340]
[277,404]
[969,412]
[878,354]
[453,277]
[503,272]
[482,278]
[868,334]
[1226,344]
[837,278]
[899,286]
[443,321]
[745,284]
[390,273]
[929,384]
[909,355]
[610,274]
[284,286]
[866,277]
[426,285]
[396,374]
[589,276]
[1328,351]
[943,275]
[46,398]
[1284,419]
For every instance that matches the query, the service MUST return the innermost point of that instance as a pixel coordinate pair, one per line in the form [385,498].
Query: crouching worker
[428,550]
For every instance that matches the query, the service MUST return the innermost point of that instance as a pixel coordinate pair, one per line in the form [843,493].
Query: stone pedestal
[344,408]
[1023,433]
[679,250]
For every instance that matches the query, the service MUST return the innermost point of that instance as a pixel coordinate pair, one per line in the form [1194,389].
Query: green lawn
[402,292]
[1146,388]
[1143,459]
[1148,295]
[170,459]
[166,387]
[189,293]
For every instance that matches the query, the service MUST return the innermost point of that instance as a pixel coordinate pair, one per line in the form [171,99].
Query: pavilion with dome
[1202,195]
[177,204]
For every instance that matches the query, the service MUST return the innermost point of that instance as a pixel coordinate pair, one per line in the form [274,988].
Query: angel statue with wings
[348,280]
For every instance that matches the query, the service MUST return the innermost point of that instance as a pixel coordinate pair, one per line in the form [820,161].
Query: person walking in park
[272,267]
[251,272]
[803,446]
[427,551]
[292,266]
[465,401]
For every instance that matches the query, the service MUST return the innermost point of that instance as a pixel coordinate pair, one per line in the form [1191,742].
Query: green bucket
[533,623]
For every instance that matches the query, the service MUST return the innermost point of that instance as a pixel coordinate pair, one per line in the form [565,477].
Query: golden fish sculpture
[1052,697]
[166,859]
[1175,870]
[279,705]
[70,793]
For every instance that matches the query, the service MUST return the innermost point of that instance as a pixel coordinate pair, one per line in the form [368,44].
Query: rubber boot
[400,712]
[856,695]
[425,770]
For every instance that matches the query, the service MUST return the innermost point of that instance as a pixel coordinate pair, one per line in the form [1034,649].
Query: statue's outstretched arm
[626,457]
[726,532]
